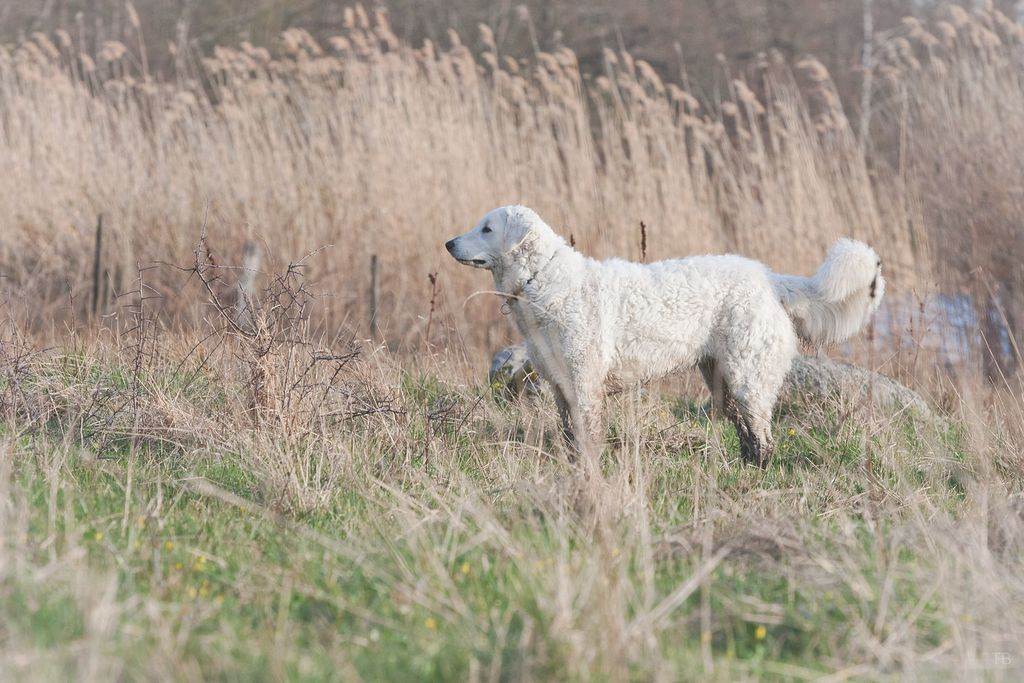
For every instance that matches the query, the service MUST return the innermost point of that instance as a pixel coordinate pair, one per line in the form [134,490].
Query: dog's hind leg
[721,401]
[749,399]
[753,432]
[757,353]
[753,425]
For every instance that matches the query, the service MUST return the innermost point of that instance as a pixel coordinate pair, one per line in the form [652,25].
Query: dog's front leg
[565,417]
[581,409]
[577,381]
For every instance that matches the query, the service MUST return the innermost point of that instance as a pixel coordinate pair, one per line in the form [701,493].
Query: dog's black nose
[449,245]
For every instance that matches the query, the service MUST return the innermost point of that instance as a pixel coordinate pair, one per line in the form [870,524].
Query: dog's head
[498,234]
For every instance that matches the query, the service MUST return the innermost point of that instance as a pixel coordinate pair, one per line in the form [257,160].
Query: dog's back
[663,316]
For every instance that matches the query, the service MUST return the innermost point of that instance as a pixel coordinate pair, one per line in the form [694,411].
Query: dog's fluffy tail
[834,304]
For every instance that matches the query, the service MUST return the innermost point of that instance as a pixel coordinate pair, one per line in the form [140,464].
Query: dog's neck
[526,262]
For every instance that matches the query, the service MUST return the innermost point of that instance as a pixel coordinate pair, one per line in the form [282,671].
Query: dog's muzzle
[450,246]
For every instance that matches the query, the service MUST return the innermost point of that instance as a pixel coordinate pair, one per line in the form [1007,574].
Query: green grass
[473,556]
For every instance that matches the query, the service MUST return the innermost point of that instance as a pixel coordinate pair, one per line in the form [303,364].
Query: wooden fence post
[245,313]
[374,295]
[97,266]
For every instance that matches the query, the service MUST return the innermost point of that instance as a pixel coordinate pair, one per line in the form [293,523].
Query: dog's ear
[518,229]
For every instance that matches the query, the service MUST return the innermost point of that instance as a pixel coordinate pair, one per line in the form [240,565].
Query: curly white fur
[831,306]
[594,324]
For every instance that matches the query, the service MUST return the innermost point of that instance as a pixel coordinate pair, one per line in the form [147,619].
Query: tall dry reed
[374,147]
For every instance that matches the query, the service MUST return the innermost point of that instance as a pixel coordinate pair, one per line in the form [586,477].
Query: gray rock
[810,379]
[813,378]
[511,374]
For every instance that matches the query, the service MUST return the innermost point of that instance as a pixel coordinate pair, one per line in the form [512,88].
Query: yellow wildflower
[168,545]
[431,623]
[760,633]
[464,568]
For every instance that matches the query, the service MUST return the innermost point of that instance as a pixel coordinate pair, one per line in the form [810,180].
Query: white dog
[590,325]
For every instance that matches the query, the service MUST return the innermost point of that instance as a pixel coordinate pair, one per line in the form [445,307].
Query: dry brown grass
[373,147]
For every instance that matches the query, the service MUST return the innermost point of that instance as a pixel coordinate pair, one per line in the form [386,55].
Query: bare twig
[643,242]
[433,304]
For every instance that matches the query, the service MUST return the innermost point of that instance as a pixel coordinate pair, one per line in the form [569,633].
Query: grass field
[190,489]
[413,526]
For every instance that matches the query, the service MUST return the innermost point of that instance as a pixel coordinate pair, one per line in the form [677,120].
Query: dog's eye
[486,229]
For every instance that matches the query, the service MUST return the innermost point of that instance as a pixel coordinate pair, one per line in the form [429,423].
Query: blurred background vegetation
[681,39]
[891,147]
